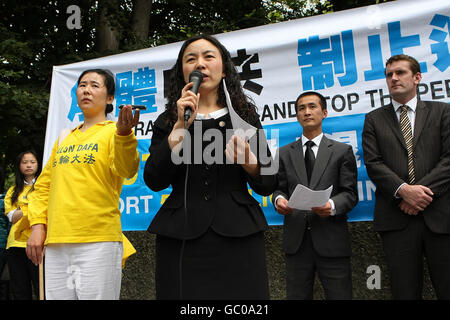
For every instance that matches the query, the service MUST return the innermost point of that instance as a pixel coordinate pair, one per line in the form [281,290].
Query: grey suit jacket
[335,165]
[385,156]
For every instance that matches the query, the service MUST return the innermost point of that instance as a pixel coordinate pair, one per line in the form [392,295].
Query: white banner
[340,55]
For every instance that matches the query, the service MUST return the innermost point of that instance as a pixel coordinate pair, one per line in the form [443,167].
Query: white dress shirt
[411,113]
[412,104]
[212,115]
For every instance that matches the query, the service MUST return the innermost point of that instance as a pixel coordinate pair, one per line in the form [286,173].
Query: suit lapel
[421,116]
[392,121]
[323,156]
[298,161]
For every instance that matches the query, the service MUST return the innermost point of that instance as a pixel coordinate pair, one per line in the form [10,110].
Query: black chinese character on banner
[247,74]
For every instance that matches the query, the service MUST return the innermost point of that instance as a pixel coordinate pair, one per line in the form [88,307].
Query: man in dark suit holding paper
[317,240]
[407,155]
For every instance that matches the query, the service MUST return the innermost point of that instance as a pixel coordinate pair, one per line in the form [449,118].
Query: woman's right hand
[187,99]
[35,244]
[190,100]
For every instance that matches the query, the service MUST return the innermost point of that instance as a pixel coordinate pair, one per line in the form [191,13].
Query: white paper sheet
[241,128]
[304,198]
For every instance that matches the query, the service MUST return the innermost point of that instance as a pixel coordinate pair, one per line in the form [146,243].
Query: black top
[217,194]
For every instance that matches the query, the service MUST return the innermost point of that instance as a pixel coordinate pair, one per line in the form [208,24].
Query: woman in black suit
[210,242]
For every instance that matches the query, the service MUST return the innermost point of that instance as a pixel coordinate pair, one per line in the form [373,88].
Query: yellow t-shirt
[77,193]
[21,230]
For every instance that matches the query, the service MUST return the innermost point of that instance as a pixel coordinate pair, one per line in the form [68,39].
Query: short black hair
[323,101]
[109,84]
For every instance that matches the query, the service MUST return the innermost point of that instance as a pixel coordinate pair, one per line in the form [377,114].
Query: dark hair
[242,104]
[19,177]
[413,63]
[323,101]
[110,85]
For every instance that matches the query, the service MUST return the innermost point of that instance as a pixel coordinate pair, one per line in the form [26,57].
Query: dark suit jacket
[335,165]
[386,159]
[217,194]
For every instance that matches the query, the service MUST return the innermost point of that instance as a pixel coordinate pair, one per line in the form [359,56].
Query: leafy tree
[339,5]
[33,38]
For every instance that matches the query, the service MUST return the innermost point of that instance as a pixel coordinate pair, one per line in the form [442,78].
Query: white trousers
[83,271]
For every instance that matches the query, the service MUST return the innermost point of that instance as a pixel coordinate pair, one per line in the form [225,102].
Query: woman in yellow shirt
[23,273]
[74,210]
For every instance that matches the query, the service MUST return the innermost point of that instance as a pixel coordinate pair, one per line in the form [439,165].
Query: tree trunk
[108,33]
[141,18]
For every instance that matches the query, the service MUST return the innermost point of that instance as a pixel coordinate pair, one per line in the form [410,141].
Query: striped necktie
[405,126]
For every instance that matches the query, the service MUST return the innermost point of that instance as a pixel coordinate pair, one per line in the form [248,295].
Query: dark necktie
[309,159]
[405,126]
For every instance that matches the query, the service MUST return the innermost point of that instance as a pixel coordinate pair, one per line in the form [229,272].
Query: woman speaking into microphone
[209,242]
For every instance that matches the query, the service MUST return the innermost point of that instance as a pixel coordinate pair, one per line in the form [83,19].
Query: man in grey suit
[317,240]
[407,155]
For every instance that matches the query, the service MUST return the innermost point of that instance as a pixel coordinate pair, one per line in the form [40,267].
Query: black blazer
[335,165]
[217,194]
[386,159]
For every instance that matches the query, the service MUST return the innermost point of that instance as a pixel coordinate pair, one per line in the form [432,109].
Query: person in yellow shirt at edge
[24,275]
[74,209]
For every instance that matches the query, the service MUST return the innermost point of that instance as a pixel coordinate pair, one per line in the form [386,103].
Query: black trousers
[405,251]
[334,273]
[2,260]
[23,275]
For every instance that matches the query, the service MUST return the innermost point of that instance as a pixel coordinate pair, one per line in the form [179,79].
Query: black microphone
[196,77]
